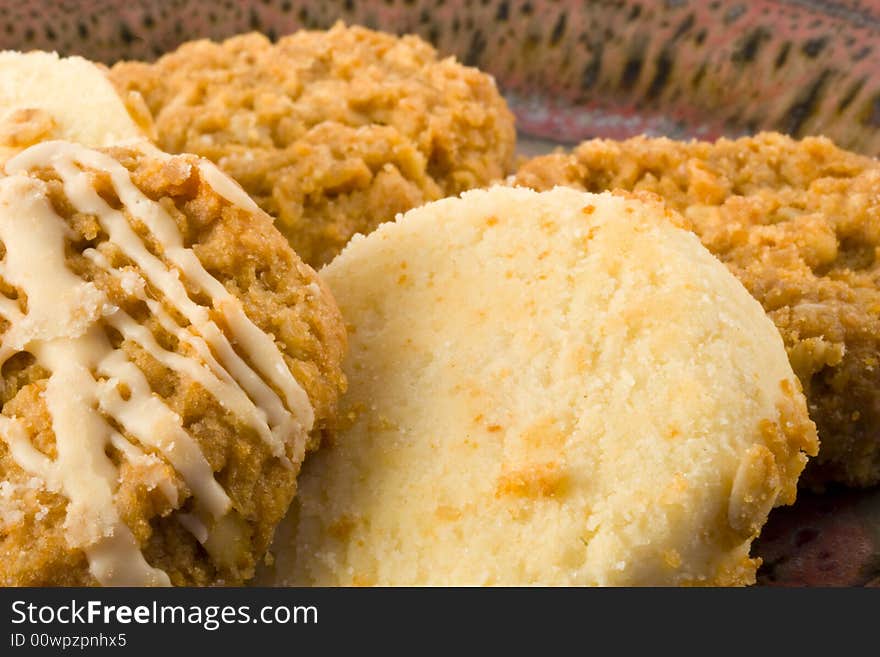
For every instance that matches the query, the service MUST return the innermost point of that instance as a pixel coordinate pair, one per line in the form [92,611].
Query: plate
[573,70]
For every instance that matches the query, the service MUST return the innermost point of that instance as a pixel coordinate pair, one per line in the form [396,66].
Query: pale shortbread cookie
[797,221]
[550,388]
[44,96]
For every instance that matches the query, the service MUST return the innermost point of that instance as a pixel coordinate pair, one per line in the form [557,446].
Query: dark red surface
[829,539]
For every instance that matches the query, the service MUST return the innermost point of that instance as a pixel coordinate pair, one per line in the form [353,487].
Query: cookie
[331,132]
[798,223]
[554,388]
[44,96]
[167,361]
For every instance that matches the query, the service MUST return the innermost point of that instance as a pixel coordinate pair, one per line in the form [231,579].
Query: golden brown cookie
[331,132]
[167,361]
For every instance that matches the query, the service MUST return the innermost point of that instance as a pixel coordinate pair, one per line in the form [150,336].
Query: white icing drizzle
[90,381]
[9,308]
[259,346]
[226,186]
[149,420]
[137,456]
[214,377]
[194,526]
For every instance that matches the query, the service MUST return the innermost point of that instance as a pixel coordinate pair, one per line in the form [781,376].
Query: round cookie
[553,388]
[331,132]
[167,361]
[797,221]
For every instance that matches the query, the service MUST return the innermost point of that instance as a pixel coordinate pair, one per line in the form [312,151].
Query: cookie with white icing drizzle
[167,362]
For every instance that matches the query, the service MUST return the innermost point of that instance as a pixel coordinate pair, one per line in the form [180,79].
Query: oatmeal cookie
[331,132]
[167,362]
